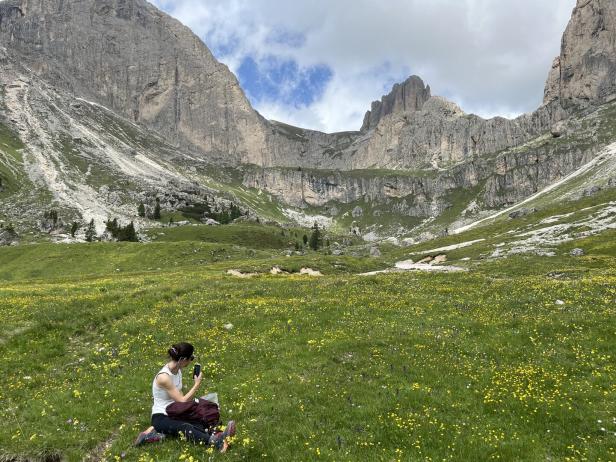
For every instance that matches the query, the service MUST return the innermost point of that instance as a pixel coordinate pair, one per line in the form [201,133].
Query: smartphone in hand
[197,370]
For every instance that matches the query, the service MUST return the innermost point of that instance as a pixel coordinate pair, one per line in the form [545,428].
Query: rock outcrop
[585,72]
[408,96]
[8,236]
[500,181]
[132,58]
[440,135]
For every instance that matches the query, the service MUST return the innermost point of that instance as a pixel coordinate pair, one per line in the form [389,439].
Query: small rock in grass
[522,213]
[577,252]
[310,272]
[591,191]
[228,326]
[559,302]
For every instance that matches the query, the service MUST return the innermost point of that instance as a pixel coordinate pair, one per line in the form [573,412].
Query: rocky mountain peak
[139,62]
[585,72]
[408,96]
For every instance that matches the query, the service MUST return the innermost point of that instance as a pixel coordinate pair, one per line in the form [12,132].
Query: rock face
[552,86]
[441,134]
[132,58]
[168,81]
[499,181]
[408,96]
[171,111]
[585,72]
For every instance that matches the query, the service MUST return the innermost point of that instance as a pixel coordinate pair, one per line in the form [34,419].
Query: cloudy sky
[319,63]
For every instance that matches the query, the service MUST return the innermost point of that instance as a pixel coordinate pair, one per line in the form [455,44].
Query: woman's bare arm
[164,381]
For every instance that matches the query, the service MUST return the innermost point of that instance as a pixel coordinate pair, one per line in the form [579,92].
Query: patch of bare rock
[276,270]
[428,264]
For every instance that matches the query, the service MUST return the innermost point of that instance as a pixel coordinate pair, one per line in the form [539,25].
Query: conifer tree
[235,212]
[74,228]
[315,237]
[131,232]
[141,210]
[128,233]
[113,227]
[157,209]
[91,231]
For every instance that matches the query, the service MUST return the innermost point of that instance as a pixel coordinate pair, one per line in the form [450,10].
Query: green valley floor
[513,360]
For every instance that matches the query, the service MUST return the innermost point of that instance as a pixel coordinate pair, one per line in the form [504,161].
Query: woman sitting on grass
[166,390]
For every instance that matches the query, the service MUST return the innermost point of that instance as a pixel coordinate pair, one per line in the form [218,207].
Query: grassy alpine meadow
[484,365]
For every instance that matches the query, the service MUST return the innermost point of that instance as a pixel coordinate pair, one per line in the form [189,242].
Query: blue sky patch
[283,81]
[220,49]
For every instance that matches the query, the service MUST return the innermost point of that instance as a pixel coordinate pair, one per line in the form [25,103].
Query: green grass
[383,215]
[459,199]
[477,366]
[53,261]
[246,247]
[245,235]
[229,184]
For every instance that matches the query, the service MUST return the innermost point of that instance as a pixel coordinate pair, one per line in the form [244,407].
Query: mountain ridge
[180,121]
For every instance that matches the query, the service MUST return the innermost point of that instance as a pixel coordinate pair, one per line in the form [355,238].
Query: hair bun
[180,350]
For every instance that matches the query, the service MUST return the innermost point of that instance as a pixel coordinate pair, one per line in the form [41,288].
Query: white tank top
[161,397]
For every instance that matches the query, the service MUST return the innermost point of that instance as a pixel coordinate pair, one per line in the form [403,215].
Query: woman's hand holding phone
[197,374]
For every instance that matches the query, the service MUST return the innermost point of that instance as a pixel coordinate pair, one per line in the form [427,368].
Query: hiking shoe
[219,439]
[148,437]
[230,430]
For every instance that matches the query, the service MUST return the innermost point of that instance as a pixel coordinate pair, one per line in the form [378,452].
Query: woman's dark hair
[181,350]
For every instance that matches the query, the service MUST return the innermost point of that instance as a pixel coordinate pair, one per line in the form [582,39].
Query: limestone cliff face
[141,63]
[585,72]
[551,92]
[134,59]
[500,181]
[441,134]
[318,187]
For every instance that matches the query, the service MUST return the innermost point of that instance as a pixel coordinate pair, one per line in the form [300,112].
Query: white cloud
[490,56]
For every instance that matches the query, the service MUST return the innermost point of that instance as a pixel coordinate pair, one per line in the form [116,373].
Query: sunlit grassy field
[494,364]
